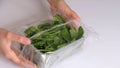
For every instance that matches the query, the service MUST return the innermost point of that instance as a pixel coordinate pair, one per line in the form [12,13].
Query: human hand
[63,8]
[6,38]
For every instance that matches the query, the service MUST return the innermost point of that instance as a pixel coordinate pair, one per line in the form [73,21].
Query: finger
[70,14]
[53,10]
[30,64]
[24,59]
[13,57]
[18,38]
[75,16]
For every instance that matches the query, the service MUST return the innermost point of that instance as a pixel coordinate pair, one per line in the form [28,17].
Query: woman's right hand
[6,38]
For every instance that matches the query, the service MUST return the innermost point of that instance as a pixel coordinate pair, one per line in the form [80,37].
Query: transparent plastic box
[48,59]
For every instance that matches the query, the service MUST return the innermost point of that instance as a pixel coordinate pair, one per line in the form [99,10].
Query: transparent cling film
[41,56]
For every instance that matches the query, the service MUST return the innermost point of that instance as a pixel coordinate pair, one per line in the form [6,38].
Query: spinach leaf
[45,26]
[57,40]
[80,32]
[73,33]
[61,45]
[58,19]
[31,31]
[65,34]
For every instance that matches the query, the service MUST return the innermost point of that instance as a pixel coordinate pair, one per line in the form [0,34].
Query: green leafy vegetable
[45,26]
[31,31]
[80,32]
[54,39]
[73,33]
[58,19]
[65,34]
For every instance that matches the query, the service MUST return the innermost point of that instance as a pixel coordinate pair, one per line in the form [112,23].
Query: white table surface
[103,16]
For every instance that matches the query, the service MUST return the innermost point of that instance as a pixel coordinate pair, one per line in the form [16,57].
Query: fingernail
[27,41]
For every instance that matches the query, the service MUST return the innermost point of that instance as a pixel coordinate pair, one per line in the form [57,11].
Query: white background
[102,15]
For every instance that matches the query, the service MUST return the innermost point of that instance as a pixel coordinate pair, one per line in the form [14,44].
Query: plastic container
[48,59]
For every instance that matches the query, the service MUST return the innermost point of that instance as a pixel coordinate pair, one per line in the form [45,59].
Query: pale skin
[7,37]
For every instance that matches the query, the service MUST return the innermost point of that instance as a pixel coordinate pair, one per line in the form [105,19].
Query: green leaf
[73,33]
[65,34]
[31,31]
[61,45]
[57,40]
[39,44]
[62,40]
[45,26]
[50,42]
[58,19]
[80,32]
